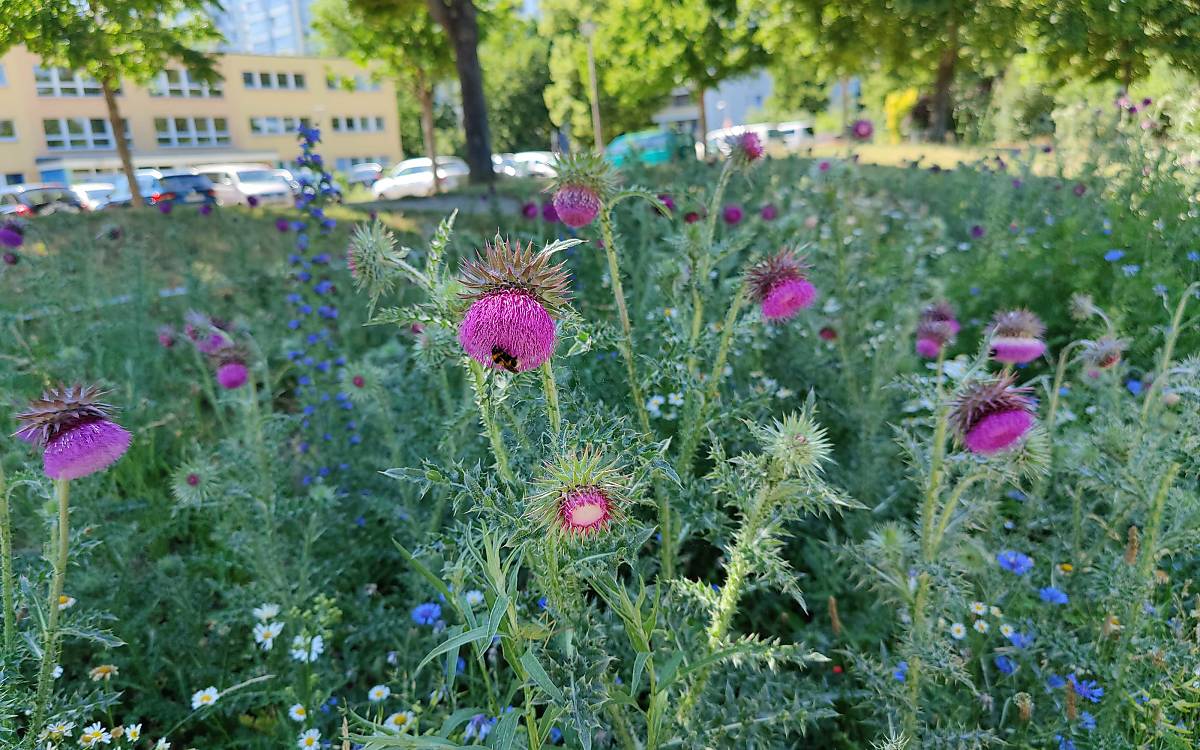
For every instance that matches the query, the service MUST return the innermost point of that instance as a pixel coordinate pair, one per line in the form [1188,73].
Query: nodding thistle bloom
[1016,337]
[74,430]
[746,148]
[514,293]
[232,372]
[579,496]
[862,130]
[1104,353]
[11,235]
[780,287]
[991,417]
[582,183]
[937,327]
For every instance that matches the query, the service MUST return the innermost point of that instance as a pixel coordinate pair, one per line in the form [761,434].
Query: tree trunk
[941,110]
[703,123]
[118,134]
[425,92]
[458,18]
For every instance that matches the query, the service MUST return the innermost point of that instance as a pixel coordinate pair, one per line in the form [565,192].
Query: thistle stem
[936,460]
[1059,375]
[553,413]
[487,415]
[1168,351]
[710,228]
[614,272]
[52,639]
[1150,547]
[6,570]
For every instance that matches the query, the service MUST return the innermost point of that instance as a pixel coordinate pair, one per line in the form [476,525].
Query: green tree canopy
[112,40]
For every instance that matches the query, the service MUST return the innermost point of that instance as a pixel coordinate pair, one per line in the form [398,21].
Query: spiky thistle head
[942,311]
[1104,352]
[1016,337]
[746,148]
[371,259]
[932,337]
[74,429]
[992,416]
[1082,306]
[230,365]
[515,294]
[780,285]
[579,496]
[582,183]
[797,445]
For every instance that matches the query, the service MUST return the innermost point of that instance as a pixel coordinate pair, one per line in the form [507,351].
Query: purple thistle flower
[732,214]
[11,236]
[74,430]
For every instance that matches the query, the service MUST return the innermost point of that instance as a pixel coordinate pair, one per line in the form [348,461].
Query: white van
[236,184]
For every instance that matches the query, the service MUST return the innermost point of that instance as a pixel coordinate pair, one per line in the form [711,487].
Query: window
[277,125]
[3,77]
[357,124]
[176,82]
[80,133]
[8,131]
[357,82]
[14,178]
[60,82]
[281,81]
[174,132]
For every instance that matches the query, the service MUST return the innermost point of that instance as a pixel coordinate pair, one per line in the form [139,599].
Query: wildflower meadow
[748,453]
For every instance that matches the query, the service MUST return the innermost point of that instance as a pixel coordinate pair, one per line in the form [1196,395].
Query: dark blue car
[158,188]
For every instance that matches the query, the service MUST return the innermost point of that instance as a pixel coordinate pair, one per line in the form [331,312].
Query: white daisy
[1007,630]
[205,697]
[307,650]
[265,634]
[979,609]
[474,597]
[133,732]
[981,626]
[58,730]
[958,631]
[996,611]
[57,671]
[675,399]
[66,602]
[94,735]
[265,612]
[378,693]
[162,744]
[399,721]
[309,739]
[298,713]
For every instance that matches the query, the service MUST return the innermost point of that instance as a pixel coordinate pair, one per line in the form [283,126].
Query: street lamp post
[588,29]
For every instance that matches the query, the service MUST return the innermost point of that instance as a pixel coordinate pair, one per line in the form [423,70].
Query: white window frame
[185,87]
[360,124]
[9,138]
[91,139]
[272,125]
[59,82]
[261,80]
[199,132]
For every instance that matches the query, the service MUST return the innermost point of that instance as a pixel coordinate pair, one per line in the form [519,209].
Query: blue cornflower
[1016,495]
[427,613]
[1055,682]
[1064,743]
[1089,689]
[1020,640]
[1160,290]
[901,671]
[1005,664]
[1112,256]
[323,471]
[460,666]
[1053,595]
[1015,562]
[1087,721]
[1135,387]
[478,727]
[321,258]
[1193,256]
[293,324]
[355,439]
[305,309]
[1131,269]
[541,602]
[360,522]
[323,286]
[556,735]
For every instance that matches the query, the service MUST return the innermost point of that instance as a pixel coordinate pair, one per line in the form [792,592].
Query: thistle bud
[579,496]
[581,184]
[1016,337]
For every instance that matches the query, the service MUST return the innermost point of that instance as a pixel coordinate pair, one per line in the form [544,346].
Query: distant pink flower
[549,213]
[10,258]
[691,217]
[75,432]
[576,205]
[232,375]
[1015,337]
[747,147]
[977,231]
[529,210]
[166,337]
[165,207]
[206,209]
[193,480]
[823,166]
[10,236]
[732,214]
[862,130]
[1080,189]
[667,201]
[281,224]
[252,201]
[769,212]
[359,381]
[828,334]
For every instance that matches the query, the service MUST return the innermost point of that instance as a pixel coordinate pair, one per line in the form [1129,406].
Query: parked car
[415,177]
[648,147]
[287,176]
[536,163]
[506,165]
[237,183]
[156,186]
[38,200]
[93,195]
[364,174]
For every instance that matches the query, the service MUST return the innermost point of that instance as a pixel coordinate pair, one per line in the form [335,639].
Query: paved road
[443,204]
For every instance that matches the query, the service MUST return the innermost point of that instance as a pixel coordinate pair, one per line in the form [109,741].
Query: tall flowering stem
[52,638]
[487,415]
[6,567]
[553,413]
[614,272]
[1164,363]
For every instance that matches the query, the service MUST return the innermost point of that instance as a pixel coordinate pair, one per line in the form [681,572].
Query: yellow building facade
[54,125]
